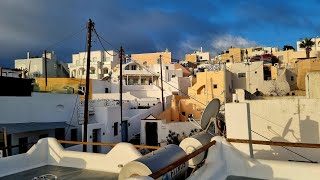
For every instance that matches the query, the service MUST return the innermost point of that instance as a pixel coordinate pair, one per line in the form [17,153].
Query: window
[167,67]
[228,60]
[183,113]
[23,146]
[106,90]
[133,67]
[200,57]
[105,71]
[292,78]
[74,135]
[215,86]
[115,129]
[92,70]
[241,75]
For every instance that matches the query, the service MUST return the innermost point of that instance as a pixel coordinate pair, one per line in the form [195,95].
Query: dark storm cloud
[139,27]
[142,26]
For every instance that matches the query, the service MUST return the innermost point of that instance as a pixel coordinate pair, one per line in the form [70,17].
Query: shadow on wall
[309,131]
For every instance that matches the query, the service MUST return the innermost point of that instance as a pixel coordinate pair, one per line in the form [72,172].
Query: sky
[145,26]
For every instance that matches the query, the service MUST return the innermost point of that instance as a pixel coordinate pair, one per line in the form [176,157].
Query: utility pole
[120,91]
[86,100]
[248,63]
[45,68]
[161,78]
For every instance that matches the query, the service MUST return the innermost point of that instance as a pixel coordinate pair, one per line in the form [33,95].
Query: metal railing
[106,144]
[273,143]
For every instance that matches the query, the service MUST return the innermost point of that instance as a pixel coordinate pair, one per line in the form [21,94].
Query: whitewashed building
[251,76]
[35,66]
[28,119]
[105,124]
[15,73]
[101,64]
[293,119]
[143,81]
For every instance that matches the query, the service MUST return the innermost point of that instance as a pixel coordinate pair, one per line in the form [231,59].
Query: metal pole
[45,68]
[120,89]
[161,80]
[86,100]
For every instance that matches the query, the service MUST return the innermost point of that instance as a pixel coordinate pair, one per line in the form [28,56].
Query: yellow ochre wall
[201,93]
[152,58]
[305,66]
[56,85]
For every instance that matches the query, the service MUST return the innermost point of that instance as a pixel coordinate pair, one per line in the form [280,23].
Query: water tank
[155,161]
[193,143]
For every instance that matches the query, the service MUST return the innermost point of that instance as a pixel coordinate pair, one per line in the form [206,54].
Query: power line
[77,96]
[197,99]
[205,105]
[71,35]
[286,148]
[102,44]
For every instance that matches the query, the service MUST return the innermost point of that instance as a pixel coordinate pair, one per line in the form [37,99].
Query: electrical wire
[102,44]
[205,104]
[285,148]
[71,35]
[77,96]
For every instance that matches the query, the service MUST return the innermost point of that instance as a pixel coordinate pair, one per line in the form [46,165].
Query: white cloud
[224,42]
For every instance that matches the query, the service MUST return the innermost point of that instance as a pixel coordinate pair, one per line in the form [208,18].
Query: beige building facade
[152,58]
[303,67]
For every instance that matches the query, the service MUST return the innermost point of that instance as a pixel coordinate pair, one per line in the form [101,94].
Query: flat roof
[61,173]
[13,128]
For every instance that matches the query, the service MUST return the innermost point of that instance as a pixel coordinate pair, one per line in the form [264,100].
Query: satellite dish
[210,111]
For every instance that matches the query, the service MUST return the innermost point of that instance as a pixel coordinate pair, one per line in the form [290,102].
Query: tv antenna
[208,116]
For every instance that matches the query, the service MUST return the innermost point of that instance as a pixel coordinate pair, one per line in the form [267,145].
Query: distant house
[35,66]
[15,73]
[152,58]
[101,63]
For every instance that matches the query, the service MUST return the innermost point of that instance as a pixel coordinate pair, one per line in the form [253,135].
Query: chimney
[28,55]
[201,49]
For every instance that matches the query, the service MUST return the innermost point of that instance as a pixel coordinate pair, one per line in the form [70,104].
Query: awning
[13,128]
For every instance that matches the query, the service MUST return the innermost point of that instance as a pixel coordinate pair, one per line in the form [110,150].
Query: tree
[287,47]
[307,43]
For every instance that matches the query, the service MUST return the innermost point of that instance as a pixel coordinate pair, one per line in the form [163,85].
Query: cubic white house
[101,64]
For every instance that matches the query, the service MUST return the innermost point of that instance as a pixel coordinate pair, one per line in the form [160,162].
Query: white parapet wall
[285,119]
[225,160]
[49,152]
